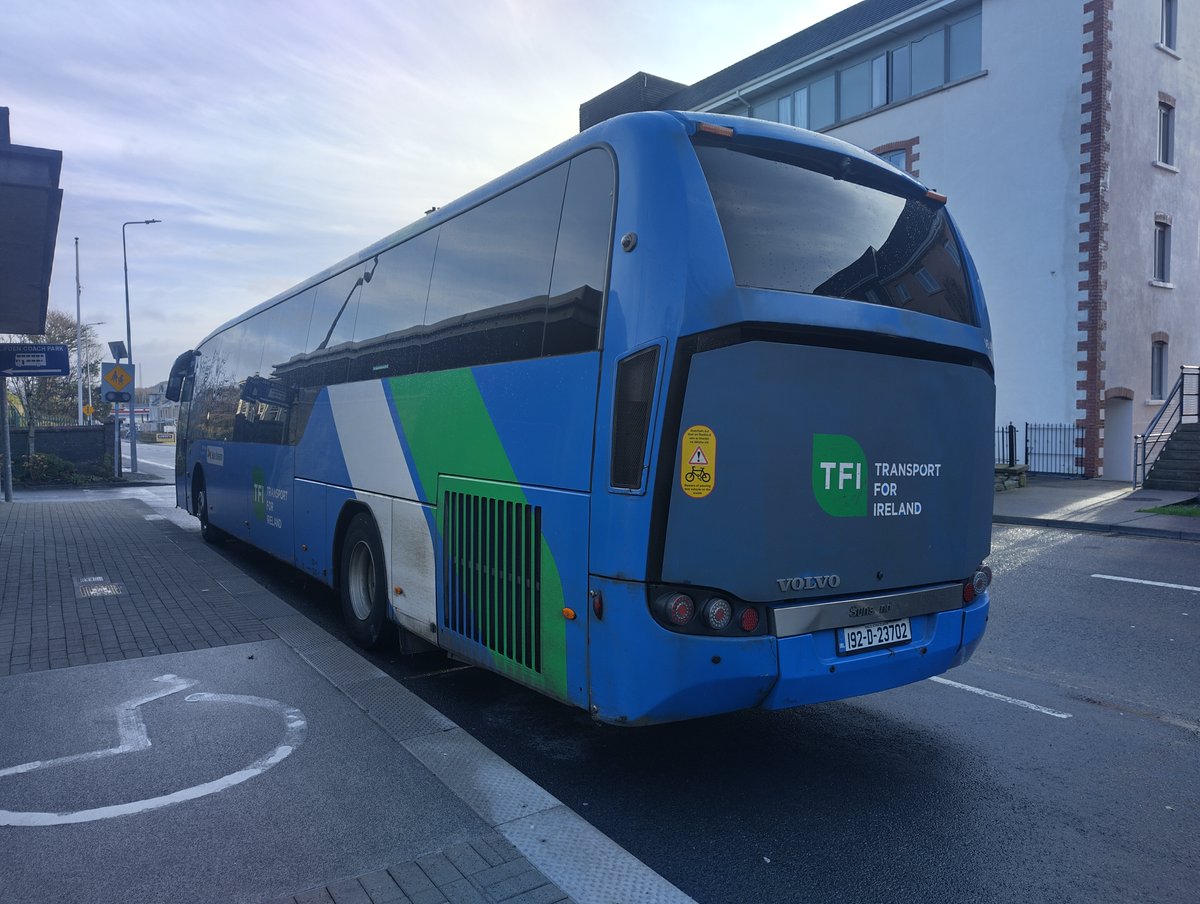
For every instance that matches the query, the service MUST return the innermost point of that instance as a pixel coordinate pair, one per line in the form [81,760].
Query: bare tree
[49,399]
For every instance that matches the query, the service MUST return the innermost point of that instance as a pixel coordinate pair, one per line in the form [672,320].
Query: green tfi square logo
[839,475]
[259,481]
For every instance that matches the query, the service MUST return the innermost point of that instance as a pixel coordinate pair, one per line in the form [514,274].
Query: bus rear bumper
[640,673]
[811,671]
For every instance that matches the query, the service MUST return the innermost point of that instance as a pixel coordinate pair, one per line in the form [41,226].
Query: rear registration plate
[866,637]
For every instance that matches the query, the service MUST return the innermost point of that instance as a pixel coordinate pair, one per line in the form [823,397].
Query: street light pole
[133,464]
[78,333]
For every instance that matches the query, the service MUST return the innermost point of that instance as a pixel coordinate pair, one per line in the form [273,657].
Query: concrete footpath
[1108,506]
[172,731]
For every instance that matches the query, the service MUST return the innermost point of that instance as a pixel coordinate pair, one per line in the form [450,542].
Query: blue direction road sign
[34,360]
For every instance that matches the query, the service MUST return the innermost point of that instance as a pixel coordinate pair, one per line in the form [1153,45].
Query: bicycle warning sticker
[698,470]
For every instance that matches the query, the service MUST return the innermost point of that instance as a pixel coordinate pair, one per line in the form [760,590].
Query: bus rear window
[798,230]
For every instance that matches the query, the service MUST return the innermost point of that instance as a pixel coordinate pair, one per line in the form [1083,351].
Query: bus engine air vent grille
[492,575]
[631,417]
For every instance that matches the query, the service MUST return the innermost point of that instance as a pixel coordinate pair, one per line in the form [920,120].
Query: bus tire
[210,532]
[363,583]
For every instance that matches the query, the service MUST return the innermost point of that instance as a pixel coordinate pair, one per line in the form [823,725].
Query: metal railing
[1047,448]
[1006,445]
[1181,406]
[17,420]
[1054,449]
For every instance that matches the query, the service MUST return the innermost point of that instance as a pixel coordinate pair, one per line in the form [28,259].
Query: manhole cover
[91,587]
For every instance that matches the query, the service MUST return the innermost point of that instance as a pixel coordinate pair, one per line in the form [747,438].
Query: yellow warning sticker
[698,468]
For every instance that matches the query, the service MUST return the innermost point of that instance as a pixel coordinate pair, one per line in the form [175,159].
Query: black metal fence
[1047,448]
[18,420]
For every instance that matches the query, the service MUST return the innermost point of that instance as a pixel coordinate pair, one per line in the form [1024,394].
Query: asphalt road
[154,459]
[1061,764]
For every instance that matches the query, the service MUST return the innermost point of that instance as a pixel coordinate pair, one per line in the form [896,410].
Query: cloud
[276,138]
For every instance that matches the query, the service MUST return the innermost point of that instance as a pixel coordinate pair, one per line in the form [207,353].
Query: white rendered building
[1060,130]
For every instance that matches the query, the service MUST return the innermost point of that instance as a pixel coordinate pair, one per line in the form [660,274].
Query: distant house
[1062,135]
[162,411]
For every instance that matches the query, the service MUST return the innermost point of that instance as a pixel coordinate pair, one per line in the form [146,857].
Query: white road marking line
[1003,699]
[133,736]
[1113,577]
[131,731]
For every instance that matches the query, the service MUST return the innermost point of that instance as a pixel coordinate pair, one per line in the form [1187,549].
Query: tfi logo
[839,475]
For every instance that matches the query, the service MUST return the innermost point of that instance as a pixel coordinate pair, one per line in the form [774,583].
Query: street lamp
[129,345]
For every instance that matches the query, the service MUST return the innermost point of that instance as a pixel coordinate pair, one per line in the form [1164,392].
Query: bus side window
[391,311]
[245,364]
[581,256]
[210,377]
[491,277]
[332,326]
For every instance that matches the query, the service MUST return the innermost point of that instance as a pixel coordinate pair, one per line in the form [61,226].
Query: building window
[855,85]
[1162,252]
[1166,133]
[800,108]
[1169,15]
[951,52]
[966,45]
[901,74]
[898,159]
[879,81]
[1158,370]
[929,62]
[925,278]
[785,110]
[822,109]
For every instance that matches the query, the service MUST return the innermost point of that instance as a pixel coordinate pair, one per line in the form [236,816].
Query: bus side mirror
[179,372]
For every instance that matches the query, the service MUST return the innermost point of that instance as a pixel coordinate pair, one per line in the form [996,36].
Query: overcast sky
[275,138]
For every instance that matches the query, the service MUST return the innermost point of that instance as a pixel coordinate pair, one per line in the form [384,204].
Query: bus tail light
[979,582]
[718,613]
[749,619]
[678,608]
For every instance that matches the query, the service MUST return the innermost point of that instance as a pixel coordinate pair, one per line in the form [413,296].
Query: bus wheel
[210,532]
[363,581]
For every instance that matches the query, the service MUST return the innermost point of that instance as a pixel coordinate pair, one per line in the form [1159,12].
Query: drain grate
[97,586]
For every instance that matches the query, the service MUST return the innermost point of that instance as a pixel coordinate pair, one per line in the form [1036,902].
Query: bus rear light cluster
[714,615]
[977,584]
[680,609]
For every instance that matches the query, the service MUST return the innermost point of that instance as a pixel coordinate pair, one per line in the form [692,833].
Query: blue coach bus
[688,415]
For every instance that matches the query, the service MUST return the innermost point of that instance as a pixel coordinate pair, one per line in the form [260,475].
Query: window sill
[1167,50]
[1170,168]
[1153,403]
[1159,284]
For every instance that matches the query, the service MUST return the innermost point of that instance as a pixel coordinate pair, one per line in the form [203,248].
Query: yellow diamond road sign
[117,377]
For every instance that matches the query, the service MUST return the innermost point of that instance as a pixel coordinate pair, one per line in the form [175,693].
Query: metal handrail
[1175,410]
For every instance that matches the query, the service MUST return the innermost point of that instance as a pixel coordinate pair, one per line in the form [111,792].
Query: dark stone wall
[85,446]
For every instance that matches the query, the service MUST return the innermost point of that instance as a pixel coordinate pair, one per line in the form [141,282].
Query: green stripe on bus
[449,431]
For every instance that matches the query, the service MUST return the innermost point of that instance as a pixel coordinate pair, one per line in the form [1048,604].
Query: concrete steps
[1178,465]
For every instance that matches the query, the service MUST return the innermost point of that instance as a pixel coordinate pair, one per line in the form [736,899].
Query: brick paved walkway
[485,871]
[164,601]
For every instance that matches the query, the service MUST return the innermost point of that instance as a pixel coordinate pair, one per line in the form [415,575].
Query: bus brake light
[679,609]
[723,131]
[979,582]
